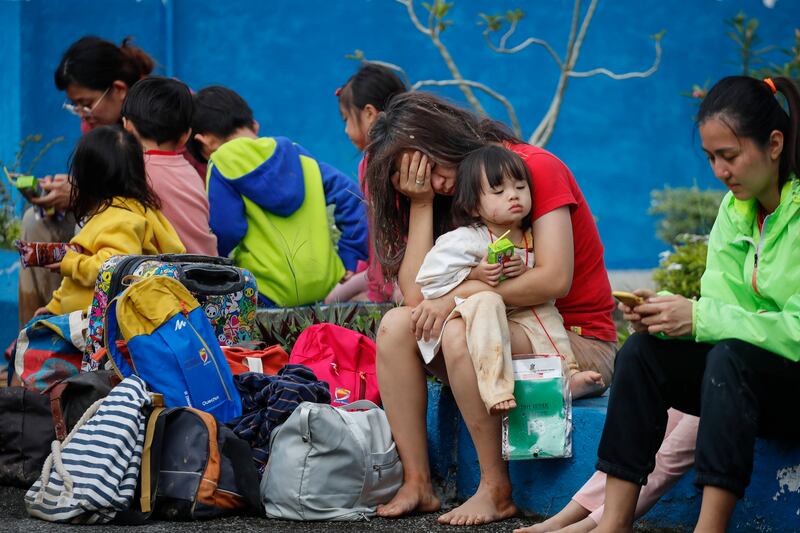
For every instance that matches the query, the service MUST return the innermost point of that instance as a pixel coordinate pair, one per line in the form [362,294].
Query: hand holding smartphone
[628,298]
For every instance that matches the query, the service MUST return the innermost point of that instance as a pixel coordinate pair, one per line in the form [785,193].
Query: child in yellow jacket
[121,214]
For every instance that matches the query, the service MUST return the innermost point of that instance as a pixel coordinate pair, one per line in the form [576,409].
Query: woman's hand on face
[57,190]
[486,272]
[634,315]
[670,315]
[413,178]
[429,316]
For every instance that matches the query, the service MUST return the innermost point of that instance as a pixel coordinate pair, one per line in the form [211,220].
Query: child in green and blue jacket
[268,199]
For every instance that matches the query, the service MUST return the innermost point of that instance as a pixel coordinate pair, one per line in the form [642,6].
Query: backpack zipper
[210,354]
[362,385]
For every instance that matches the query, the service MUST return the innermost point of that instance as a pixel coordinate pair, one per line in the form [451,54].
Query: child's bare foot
[503,407]
[573,513]
[486,505]
[584,526]
[412,497]
[585,383]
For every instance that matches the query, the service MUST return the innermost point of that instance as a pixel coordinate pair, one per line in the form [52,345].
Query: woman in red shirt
[412,161]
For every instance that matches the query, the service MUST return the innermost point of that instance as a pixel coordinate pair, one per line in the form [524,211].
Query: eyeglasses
[82,110]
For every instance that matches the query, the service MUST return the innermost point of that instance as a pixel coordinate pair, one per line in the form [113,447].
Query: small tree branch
[625,76]
[433,34]
[413,16]
[512,115]
[522,46]
[511,29]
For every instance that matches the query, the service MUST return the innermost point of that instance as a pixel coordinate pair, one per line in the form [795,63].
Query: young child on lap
[493,198]
[158,111]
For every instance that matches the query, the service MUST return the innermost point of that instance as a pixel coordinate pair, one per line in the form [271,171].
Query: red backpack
[341,357]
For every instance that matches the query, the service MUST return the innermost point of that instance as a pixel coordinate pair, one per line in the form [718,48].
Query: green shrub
[684,211]
[679,271]
[283,326]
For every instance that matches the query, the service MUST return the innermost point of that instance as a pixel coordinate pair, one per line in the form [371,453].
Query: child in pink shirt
[361,99]
[159,112]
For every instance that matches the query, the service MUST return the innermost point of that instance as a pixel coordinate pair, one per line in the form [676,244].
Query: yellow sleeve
[55,301]
[115,231]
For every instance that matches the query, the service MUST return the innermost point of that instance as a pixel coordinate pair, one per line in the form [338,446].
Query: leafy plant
[684,210]
[679,271]
[743,33]
[9,222]
[283,326]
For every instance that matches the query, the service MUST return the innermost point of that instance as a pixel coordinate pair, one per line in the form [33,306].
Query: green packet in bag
[540,427]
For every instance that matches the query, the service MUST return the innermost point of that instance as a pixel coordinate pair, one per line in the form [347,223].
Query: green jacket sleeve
[728,309]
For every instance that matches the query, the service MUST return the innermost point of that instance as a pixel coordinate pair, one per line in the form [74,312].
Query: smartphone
[628,298]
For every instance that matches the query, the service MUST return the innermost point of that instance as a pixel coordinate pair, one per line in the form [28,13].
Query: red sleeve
[551,184]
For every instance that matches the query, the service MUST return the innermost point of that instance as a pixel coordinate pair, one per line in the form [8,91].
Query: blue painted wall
[621,138]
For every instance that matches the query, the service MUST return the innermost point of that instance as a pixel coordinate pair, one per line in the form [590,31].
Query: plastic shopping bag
[540,427]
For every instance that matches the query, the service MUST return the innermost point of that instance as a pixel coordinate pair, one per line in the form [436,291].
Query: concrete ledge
[771,504]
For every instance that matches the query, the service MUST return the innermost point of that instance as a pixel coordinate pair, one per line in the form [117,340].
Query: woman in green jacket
[740,371]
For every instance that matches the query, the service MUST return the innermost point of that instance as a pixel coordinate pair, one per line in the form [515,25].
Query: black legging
[739,391]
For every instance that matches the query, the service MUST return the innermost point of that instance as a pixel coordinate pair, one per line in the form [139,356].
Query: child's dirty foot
[412,497]
[585,383]
[486,505]
[502,407]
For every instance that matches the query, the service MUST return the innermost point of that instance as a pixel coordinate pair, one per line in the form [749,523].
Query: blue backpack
[172,347]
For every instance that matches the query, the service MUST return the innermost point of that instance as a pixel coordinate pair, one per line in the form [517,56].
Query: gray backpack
[331,463]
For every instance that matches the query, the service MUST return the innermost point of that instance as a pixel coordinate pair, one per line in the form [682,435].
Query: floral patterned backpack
[228,295]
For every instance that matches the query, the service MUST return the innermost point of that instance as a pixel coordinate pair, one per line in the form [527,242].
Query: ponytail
[790,158]
[96,64]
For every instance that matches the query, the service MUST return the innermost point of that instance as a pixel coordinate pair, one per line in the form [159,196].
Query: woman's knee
[728,358]
[394,332]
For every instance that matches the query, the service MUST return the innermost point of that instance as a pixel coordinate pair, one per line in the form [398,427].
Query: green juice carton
[540,427]
[500,251]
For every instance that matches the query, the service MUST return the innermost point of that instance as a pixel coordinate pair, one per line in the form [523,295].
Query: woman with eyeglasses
[95,74]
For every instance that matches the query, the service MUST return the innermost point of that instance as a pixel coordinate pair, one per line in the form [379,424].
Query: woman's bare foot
[412,497]
[584,383]
[572,513]
[503,407]
[486,505]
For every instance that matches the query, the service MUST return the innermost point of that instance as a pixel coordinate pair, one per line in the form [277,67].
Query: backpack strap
[55,406]
[110,335]
[151,459]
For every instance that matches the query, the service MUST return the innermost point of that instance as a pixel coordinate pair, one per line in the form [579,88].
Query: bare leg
[716,511]
[621,497]
[492,501]
[401,379]
[571,514]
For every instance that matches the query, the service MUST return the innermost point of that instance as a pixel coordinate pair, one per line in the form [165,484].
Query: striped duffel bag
[92,475]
